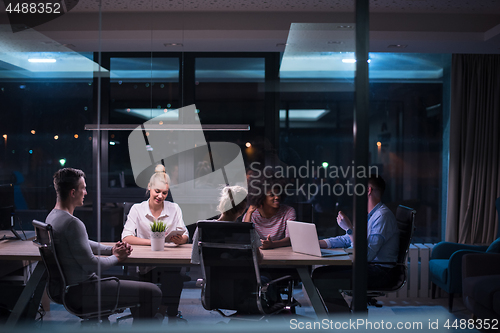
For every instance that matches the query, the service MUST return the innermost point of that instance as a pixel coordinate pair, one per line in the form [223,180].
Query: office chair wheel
[374,302]
[95,322]
[175,320]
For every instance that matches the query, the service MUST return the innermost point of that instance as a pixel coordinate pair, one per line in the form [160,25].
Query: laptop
[304,239]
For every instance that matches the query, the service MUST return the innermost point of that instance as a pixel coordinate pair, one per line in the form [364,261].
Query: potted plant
[158,235]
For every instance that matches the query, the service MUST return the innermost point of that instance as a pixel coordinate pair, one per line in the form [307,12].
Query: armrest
[480,264]
[385,263]
[283,278]
[444,250]
[455,265]
[112,278]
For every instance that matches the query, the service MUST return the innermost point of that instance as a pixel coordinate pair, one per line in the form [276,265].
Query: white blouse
[139,219]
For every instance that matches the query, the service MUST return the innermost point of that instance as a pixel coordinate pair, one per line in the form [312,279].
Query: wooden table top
[176,255]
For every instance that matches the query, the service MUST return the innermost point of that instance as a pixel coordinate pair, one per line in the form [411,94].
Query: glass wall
[75,102]
[407,120]
[44,109]
[44,114]
[140,88]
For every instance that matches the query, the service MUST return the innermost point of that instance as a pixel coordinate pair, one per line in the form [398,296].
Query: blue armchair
[445,265]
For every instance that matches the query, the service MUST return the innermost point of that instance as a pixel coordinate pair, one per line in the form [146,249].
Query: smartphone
[177,231]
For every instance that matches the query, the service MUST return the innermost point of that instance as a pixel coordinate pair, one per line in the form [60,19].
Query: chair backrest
[7,208]
[229,266]
[405,218]
[126,209]
[45,242]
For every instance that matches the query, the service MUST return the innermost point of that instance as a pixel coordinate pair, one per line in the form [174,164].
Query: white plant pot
[157,241]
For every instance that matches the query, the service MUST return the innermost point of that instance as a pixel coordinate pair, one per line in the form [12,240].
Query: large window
[407,120]
[44,117]
[44,109]
[73,90]
[140,88]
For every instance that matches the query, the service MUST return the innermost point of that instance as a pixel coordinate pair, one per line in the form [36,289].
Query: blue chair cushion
[494,247]
[439,269]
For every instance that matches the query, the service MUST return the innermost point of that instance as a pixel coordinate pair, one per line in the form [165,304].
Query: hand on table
[121,250]
[267,243]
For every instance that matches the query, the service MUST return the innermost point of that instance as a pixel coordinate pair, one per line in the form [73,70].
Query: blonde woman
[229,212]
[137,230]
[138,226]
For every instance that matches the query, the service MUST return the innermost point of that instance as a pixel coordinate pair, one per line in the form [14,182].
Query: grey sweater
[74,249]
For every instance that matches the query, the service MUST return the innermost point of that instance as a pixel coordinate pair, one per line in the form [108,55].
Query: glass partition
[316,120]
[407,94]
[230,90]
[140,88]
[46,98]
[408,115]
[74,89]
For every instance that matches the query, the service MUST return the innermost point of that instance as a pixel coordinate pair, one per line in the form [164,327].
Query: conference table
[172,256]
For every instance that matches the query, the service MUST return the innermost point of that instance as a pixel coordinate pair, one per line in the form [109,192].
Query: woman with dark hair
[267,213]
[76,254]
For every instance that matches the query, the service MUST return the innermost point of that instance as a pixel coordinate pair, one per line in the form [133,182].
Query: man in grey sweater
[76,254]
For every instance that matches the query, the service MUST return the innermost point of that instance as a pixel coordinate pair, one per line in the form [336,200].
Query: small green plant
[158,226]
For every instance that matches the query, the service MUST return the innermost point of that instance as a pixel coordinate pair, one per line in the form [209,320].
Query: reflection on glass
[141,88]
[406,130]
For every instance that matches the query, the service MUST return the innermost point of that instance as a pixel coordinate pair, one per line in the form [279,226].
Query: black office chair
[57,286]
[231,275]
[405,218]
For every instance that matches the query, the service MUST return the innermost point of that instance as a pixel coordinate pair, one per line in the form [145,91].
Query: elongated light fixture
[42,60]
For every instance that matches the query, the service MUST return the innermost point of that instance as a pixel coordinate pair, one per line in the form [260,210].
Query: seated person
[230,213]
[267,214]
[137,230]
[383,246]
[77,259]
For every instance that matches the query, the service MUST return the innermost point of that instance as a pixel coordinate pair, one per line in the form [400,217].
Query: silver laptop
[304,239]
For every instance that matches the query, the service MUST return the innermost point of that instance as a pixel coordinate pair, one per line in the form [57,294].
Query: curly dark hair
[66,180]
[259,188]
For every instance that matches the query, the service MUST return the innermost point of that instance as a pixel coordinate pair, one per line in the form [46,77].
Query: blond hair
[233,199]
[159,177]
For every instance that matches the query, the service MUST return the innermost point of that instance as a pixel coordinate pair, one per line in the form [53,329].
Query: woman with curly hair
[267,213]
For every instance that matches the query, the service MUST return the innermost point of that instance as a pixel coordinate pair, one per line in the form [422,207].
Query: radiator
[418,283]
